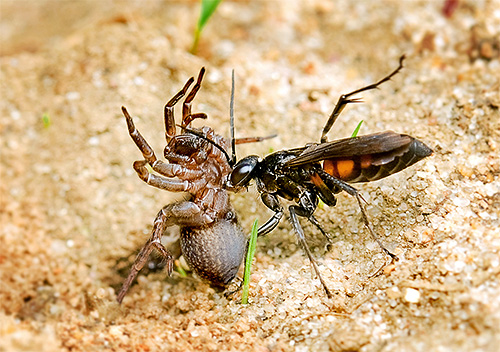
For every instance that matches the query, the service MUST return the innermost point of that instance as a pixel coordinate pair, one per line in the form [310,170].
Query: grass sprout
[356,130]
[208,7]
[248,262]
[46,120]
[179,269]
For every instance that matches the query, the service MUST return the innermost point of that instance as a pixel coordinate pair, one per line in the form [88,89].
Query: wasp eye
[242,172]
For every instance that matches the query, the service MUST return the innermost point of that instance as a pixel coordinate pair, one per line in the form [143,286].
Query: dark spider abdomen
[215,251]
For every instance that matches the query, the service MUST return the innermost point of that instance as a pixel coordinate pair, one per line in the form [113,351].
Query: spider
[212,241]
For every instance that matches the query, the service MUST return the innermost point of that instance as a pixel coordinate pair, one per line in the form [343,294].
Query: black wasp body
[319,171]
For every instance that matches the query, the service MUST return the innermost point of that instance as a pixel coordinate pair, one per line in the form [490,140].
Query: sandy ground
[73,212]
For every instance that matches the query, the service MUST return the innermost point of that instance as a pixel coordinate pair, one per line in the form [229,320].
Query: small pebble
[412,295]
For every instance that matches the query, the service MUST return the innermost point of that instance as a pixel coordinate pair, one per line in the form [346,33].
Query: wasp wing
[382,144]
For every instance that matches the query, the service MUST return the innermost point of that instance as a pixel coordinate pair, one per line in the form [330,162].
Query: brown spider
[212,242]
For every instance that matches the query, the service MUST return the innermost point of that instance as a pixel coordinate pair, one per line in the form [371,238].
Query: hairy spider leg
[243,140]
[187,117]
[168,111]
[344,100]
[183,214]
[168,170]
[166,183]
[141,143]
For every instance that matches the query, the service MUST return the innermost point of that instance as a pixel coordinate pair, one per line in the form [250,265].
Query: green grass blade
[321,205]
[179,269]
[356,130]
[208,7]
[248,262]
[46,120]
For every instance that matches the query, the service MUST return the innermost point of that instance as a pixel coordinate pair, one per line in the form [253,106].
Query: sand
[73,212]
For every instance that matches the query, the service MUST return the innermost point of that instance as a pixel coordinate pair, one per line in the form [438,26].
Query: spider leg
[344,100]
[176,170]
[199,115]
[169,170]
[168,111]
[141,143]
[182,213]
[169,184]
[186,106]
[154,241]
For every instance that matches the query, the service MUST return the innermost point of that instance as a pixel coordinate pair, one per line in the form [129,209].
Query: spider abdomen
[215,251]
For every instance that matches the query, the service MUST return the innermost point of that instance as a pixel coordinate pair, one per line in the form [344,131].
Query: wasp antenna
[231,122]
[401,59]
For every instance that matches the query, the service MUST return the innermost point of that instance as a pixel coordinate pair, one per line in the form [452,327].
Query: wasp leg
[344,100]
[326,195]
[272,202]
[294,211]
[184,214]
[316,223]
[355,193]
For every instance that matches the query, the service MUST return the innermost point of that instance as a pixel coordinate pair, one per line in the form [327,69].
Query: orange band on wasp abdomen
[345,168]
[342,169]
[330,167]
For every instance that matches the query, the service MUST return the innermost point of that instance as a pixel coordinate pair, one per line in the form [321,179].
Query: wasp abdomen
[372,167]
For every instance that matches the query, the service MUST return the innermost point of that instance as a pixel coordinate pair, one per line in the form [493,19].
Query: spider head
[188,146]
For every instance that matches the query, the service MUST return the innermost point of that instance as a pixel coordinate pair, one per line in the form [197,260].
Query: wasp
[319,171]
